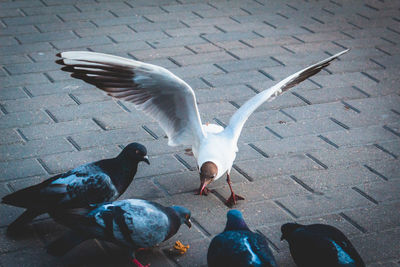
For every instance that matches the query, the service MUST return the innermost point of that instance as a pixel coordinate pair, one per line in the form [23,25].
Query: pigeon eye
[137,152]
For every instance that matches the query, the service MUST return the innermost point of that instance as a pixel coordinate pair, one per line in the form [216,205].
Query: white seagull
[172,103]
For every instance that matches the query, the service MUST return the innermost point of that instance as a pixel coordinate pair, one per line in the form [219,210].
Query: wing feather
[152,89]
[239,118]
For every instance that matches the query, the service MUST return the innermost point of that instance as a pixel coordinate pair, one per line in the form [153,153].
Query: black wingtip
[58,55]
[60,61]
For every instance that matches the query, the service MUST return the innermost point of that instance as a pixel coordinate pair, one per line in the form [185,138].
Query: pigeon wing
[152,89]
[239,118]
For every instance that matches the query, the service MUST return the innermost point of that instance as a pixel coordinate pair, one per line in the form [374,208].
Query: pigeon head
[183,214]
[235,221]
[288,228]
[208,172]
[135,152]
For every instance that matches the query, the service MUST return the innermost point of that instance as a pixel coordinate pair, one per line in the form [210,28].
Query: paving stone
[348,155]
[81,42]
[23,79]
[161,165]
[375,219]
[117,136]
[212,57]
[323,180]
[61,129]
[20,168]
[267,167]
[329,202]
[150,54]
[359,136]
[332,141]
[35,254]
[382,191]
[62,162]
[318,111]
[188,181]
[46,37]
[314,127]
[327,95]
[9,136]
[12,93]
[36,103]
[144,189]
[378,246]
[86,110]
[70,25]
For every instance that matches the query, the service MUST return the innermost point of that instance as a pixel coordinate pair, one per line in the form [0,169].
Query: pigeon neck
[121,171]
[175,223]
[236,224]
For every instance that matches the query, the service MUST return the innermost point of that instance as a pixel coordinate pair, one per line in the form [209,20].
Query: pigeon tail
[23,219]
[65,243]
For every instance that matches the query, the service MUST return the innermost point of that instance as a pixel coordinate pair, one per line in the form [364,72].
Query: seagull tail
[65,243]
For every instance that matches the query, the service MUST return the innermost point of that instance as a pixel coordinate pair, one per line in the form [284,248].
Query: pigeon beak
[146,159]
[188,223]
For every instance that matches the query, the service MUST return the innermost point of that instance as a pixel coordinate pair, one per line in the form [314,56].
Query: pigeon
[172,103]
[237,246]
[131,223]
[318,245]
[96,182]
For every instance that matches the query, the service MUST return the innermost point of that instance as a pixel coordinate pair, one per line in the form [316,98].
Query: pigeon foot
[138,264]
[233,199]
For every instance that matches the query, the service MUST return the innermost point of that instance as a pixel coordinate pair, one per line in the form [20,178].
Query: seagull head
[136,152]
[183,214]
[208,172]
[288,228]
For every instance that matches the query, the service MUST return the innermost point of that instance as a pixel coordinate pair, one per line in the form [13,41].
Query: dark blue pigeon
[96,182]
[131,223]
[318,245]
[238,246]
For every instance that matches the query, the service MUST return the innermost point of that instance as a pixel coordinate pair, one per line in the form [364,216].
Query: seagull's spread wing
[152,89]
[241,115]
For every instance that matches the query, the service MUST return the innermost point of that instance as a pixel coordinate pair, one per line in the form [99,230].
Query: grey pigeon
[131,223]
[96,182]
[319,245]
[237,246]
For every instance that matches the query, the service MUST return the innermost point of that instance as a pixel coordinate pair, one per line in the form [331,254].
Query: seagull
[238,246]
[172,103]
[96,182]
[132,223]
[320,245]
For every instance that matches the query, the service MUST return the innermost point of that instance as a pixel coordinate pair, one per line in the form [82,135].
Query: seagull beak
[146,159]
[203,186]
[188,223]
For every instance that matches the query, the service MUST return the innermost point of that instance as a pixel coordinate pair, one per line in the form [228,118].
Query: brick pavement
[326,152]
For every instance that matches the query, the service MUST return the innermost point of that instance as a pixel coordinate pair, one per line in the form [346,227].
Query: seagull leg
[233,198]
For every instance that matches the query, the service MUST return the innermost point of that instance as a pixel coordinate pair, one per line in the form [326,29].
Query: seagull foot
[205,191]
[233,199]
[138,264]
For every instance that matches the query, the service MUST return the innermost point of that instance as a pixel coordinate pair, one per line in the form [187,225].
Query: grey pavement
[327,152]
